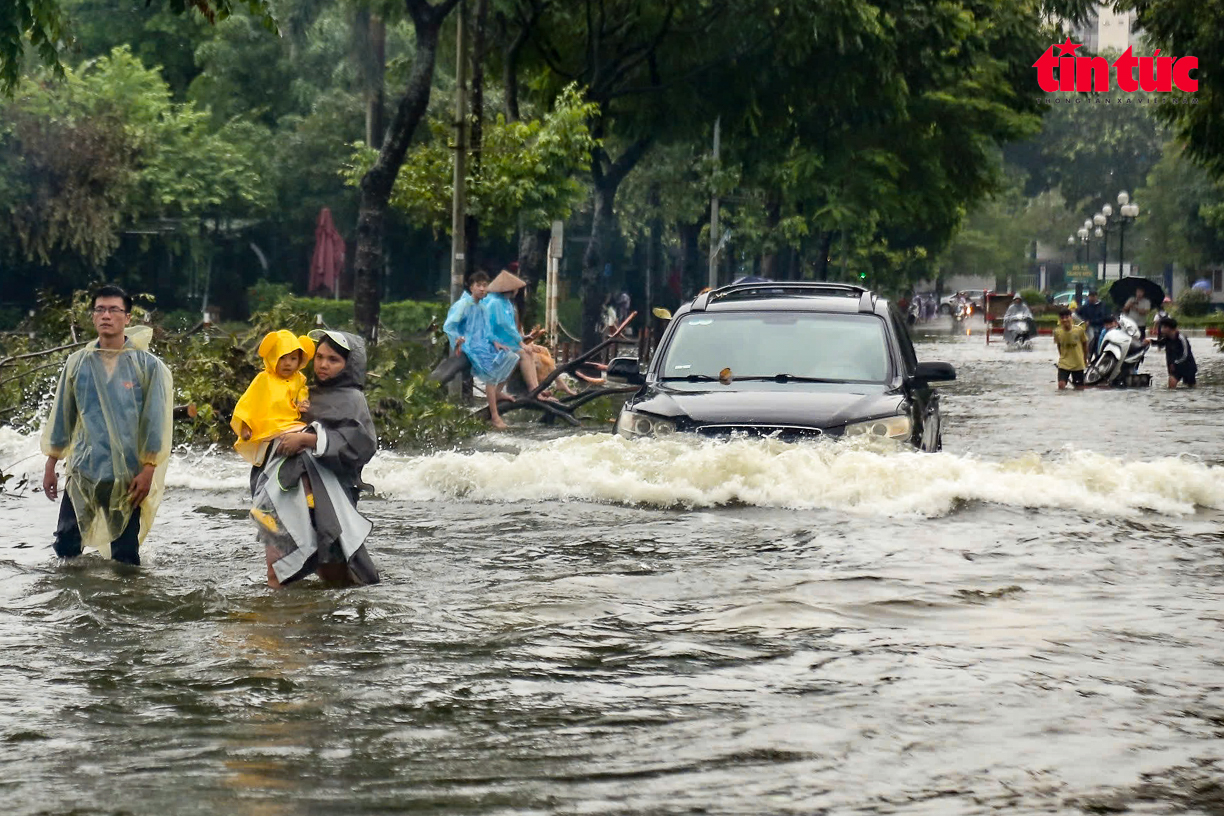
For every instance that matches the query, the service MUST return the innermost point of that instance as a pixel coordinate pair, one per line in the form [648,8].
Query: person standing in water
[111,421]
[1072,344]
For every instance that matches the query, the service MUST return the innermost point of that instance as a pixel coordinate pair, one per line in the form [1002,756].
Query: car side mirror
[625,369]
[928,373]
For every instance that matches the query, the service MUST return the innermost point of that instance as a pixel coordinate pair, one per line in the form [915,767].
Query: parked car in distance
[1067,298]
[793,360]
[975,296]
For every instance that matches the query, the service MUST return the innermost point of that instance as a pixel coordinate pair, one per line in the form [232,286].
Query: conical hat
[506,282]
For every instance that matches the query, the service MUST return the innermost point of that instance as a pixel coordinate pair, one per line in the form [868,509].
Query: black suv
[792,360]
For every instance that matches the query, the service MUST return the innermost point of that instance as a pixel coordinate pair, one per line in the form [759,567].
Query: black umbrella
[1123,290]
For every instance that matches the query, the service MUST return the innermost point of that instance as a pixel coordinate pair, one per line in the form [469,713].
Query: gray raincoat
[330,531]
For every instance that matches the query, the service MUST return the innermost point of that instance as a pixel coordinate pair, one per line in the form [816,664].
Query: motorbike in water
[1118,356]
[1019,331]
[964,311]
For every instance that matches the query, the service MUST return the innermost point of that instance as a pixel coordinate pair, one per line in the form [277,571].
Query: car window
[845,348]
[908,355]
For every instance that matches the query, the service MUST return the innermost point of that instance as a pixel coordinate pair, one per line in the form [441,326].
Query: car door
[923,400]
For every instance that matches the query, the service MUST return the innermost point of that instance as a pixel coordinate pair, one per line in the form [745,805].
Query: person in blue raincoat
[468,328]
[504,324]
[111,421]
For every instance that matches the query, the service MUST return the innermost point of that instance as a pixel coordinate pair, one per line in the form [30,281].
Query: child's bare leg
[494,417]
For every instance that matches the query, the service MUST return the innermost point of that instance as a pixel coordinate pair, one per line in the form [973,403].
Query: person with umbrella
[1137,307]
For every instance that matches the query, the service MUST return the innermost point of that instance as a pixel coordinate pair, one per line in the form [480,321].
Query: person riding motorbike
[1018,324]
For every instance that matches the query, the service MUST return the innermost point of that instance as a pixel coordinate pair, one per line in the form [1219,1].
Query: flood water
[1028,622]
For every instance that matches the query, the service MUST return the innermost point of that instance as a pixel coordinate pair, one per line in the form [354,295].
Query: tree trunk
[690,257]
[376,184]
[532,260]
[823,245]
[773,214]
[476,133]
[593,261]
[606,177]
[371,42]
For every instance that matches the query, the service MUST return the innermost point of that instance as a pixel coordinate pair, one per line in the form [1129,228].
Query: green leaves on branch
[41,25]
[526,168]
[85,158]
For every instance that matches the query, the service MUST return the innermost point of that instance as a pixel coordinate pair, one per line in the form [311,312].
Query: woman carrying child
[305,492]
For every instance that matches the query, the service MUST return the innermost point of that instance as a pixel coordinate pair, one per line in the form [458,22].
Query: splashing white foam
[695,473]
[687,472]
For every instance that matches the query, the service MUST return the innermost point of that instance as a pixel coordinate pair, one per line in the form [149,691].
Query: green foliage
[1177,223]
[526,170]
[1190,29]
[84,159]
[265,294]
[212,369]
[1091,146]
[43,25]
[1193,302]
[405,318]
[1033,297]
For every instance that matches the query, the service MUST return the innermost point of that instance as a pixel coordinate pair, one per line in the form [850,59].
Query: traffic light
[862,276]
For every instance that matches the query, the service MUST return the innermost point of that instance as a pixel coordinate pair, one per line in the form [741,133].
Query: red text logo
[1155,73]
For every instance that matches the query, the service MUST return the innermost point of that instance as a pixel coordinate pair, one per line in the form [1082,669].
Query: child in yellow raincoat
[274,401]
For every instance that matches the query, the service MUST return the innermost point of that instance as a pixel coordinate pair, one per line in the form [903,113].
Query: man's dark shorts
[1186,374]
[1076,377]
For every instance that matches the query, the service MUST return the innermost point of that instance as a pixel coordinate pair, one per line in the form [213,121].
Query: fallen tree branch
[564,409]
[29,355]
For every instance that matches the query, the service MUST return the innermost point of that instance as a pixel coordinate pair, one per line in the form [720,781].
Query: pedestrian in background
[1178,356]
[1072,344]
[1094,313]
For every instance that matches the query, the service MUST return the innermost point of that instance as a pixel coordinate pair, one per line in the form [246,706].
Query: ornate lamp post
[1127,212]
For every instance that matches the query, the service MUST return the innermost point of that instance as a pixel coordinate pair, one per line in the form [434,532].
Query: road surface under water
[1030,621]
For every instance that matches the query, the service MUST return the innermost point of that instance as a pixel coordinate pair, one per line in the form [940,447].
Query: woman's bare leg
[269,554]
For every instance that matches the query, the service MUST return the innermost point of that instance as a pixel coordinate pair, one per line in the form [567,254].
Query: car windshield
[806,345]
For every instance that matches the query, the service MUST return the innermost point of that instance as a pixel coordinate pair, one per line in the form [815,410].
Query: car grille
[785,432]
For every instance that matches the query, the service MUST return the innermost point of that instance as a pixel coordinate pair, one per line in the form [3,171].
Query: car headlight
[894,427]
[632,424]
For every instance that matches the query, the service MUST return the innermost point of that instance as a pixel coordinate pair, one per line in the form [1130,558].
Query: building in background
[1106,30]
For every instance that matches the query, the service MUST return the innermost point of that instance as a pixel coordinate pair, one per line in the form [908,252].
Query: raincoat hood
[279,343]
[269,407]
[354,373]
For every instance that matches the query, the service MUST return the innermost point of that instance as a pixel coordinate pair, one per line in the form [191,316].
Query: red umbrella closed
[328,259]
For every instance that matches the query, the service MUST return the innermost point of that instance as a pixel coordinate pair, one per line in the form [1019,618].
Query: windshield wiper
[691,378]
[787,378]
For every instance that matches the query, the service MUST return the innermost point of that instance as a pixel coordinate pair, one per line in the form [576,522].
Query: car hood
[768,403]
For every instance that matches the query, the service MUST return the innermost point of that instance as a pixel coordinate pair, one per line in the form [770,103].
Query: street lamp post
[1101,222]
[1086,239]
[1127,212]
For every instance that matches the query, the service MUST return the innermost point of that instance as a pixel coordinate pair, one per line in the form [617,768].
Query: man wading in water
[111,420]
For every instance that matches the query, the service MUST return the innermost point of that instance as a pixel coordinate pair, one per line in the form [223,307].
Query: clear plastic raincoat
[470,320]
[270,405]
[111,417]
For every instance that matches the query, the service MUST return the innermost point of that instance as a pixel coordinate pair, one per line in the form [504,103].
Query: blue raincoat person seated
[468,328]
[111,420]
[505,325]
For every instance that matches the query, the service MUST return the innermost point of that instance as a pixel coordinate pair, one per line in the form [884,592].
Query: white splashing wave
[693,473]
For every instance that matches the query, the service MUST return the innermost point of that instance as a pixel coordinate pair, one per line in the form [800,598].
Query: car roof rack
[786,288]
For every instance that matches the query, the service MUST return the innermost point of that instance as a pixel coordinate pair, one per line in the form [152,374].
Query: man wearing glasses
[111,421]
